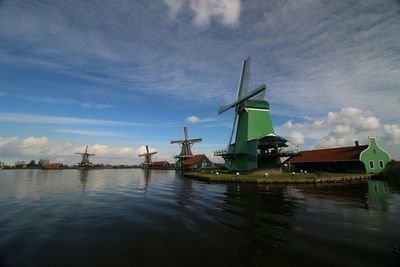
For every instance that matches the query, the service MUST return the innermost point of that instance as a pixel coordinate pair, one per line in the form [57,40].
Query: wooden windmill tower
[147,157]
[186,147]
[256,145]
[85,158]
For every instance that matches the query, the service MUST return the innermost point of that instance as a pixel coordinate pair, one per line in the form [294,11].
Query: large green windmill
[256,145]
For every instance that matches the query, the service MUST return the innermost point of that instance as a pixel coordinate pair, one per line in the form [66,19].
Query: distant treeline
[392,171]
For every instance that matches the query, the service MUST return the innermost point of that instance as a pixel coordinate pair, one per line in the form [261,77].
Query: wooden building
[197,162]
[159,164]
[365,158]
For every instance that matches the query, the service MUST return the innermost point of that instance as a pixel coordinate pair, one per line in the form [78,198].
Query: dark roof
[330,154]
[193,160]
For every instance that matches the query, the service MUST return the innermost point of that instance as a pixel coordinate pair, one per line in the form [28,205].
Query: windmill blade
[142,155]
[256,91]
[86,149]
[185,131]
[196,140]
[243,85]
[152,153]
[147,149]
[176,141]
[225,108]
[233,129]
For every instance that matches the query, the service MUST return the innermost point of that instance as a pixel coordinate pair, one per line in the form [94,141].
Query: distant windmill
[85,158]
[186,145]
[147,156]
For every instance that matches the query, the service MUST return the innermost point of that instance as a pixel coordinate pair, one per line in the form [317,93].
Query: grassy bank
[276,178]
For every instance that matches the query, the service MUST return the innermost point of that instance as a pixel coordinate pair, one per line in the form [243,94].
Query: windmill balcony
[221,152]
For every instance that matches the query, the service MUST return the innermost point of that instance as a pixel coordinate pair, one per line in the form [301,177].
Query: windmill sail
[244,79]
[147,156]
[85,157]
[186,144]
[243,94]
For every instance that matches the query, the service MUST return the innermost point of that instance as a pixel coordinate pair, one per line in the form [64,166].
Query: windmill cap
[260,104]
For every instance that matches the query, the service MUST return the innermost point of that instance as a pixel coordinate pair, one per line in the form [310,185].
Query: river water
[133,217]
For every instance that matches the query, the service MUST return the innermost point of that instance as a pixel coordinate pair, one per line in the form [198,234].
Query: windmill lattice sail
[147,156]
[85,162]
[186,145]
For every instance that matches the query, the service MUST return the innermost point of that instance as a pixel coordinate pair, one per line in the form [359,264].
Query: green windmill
[256,145]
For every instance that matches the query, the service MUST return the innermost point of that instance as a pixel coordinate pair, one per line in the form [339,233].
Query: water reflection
[379,195]
[346,194]
[146,173]
[262,214]
[83,177]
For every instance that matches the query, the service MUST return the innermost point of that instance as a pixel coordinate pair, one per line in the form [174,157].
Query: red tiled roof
[193,160]
[159,163]
[329,154]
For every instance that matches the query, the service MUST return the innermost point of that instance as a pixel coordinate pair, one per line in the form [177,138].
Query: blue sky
[117,75]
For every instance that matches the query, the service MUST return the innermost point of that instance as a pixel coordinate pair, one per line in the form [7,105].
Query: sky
[119,75]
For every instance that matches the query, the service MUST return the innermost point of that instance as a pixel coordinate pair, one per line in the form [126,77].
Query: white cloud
[297,138]
[342,129]
[13,149]
[354,117]
[31,146]
[142,149]
[392,134]
[44,119]
[88,133]
[226,12]
[193,119]
[96,106]
[35,141]
[106,151]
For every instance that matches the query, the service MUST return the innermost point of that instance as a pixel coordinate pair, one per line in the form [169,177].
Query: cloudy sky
[117,75]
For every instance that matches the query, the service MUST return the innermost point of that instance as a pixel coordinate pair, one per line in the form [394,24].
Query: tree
[20,164]
[31,164]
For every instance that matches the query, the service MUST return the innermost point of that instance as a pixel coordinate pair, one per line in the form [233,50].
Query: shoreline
[212,178]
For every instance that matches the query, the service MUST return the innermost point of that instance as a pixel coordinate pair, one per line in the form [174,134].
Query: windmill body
[147,157]
[186,147]
[85,162]
[253,143]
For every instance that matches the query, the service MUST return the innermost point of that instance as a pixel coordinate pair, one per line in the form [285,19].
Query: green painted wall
[254,121]
[374,157]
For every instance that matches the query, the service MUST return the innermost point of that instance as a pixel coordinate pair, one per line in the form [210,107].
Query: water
[130,217]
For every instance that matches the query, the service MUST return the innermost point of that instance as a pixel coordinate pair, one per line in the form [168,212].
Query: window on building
[381,164]
[371,164]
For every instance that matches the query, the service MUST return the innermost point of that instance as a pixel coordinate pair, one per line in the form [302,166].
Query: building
[159,164]
[55,166]
[197,162]
[366,158]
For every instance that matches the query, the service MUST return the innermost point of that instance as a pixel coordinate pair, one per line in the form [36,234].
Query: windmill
[186,146]
[85,158]
[147,157]
[256,144]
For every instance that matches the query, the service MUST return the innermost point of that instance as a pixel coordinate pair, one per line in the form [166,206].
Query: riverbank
[276,178]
